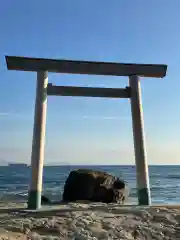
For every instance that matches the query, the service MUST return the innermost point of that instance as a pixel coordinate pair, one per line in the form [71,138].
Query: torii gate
[133,91]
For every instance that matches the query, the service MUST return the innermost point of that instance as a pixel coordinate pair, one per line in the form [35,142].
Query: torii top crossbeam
[85,67]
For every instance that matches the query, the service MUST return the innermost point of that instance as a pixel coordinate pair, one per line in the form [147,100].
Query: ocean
[164,182]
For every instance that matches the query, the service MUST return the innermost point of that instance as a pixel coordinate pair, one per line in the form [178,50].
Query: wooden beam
[88,91]
[85,67]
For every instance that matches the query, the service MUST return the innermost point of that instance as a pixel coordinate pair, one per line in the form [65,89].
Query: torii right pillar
[142,174]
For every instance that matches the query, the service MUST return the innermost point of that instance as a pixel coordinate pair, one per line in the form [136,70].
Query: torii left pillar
[37,156]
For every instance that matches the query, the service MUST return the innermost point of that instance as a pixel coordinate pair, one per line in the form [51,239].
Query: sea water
[164,182]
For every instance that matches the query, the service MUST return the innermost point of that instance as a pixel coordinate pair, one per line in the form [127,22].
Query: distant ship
[24,165]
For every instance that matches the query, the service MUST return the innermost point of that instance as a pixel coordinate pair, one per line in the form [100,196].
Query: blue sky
[84,130]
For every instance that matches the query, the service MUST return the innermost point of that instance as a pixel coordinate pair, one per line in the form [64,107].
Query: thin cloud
[103,117]
[4,114]
[7,114]
[86,117]
[13,114]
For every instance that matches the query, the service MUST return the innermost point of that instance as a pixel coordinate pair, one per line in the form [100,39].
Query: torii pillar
[142,175]
[133,91]
[37,155]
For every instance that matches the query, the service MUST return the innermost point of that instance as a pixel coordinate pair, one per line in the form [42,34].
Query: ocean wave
[13,197]
[53,195]
[173,176]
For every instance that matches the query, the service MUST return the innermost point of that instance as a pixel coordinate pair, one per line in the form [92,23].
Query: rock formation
[45,200]
[95,186]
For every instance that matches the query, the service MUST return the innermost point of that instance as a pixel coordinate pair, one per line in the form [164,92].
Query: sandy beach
[89,221]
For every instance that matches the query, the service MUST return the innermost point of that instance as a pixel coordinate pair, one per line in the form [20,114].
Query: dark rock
[96,186]
[45,200]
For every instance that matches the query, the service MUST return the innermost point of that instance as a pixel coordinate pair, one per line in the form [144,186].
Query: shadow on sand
[61,208]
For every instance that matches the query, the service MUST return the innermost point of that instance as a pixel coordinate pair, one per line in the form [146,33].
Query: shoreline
[94,221]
